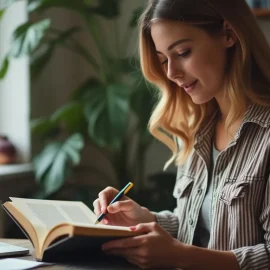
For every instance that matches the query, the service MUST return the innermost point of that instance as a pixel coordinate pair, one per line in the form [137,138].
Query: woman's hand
[154,248]
[123,213]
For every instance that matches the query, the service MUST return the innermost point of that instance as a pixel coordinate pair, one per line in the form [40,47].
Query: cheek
[194,66]
[211,67]
[217,59]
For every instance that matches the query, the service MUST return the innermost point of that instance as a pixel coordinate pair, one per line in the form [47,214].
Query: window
[14,89]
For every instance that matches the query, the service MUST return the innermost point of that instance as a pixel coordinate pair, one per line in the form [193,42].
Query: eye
[164,62]
[185,54]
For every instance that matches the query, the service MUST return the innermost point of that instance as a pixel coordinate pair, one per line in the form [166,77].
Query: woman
[211,63]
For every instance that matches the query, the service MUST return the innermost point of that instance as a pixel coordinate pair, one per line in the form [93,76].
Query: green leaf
[44,127]
[53,164]
[96,34]
[107,111]
[1,13]
[33,5]
[63,36]
[40,59]
[44,53]
[135,16]
[72,116]
[66,36]
[42,5]
[142,103]
[27,37]
[130,66]
[84,91]
[109,9]
[4,68]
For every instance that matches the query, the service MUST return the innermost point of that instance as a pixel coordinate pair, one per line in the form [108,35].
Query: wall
[265,26]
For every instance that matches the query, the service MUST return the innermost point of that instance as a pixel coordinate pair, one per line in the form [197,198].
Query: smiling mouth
[189,88]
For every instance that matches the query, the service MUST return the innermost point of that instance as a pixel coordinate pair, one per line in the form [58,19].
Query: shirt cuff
[168,221]
[253,257]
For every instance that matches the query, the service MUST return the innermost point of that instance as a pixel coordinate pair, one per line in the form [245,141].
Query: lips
[189,88]
[188,85]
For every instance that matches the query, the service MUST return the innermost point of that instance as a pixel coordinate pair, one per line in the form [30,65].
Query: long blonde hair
[248,74]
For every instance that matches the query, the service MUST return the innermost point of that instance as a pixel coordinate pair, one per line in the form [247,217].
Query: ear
[230,37]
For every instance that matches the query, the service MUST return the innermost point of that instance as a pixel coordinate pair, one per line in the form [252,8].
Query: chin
[200,100]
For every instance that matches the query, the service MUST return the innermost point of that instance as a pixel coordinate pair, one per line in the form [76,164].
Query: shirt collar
[255,113]
[208,128]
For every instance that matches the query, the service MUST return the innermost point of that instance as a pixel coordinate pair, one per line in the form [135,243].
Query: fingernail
[133,228]
[103,247]
[105,221]
[103,209]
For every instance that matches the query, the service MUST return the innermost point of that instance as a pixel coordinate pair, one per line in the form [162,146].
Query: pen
[116,198]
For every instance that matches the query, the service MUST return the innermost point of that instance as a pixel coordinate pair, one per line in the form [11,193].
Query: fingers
[130,242]
[133,255]
[122,251]
[124,206]
[98,210]
[104,198]
[97,207]
[146,227]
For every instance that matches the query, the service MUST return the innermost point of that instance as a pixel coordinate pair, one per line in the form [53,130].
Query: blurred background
[74,106]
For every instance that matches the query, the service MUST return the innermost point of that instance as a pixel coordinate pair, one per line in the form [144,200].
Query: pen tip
[96,222]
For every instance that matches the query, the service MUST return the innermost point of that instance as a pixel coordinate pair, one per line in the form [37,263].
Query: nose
[174,71]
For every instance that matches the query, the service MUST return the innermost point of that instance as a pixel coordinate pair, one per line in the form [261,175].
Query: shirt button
[199,191]
[191,221]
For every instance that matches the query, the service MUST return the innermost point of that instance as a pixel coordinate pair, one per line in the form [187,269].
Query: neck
[224,106]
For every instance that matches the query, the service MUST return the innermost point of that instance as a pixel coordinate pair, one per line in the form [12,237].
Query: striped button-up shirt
[240,210]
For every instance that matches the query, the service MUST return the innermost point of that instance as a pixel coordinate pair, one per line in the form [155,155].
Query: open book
[60,227]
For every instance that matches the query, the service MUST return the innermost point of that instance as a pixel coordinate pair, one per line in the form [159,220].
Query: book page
[45,214]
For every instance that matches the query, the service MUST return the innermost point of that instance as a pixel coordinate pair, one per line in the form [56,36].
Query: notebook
[11,250]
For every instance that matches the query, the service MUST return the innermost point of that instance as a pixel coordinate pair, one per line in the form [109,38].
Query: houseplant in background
[100,110]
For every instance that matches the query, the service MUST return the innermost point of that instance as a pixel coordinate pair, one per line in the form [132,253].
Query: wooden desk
[83,266]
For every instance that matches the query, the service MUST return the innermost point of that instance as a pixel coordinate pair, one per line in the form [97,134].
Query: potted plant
[99,111]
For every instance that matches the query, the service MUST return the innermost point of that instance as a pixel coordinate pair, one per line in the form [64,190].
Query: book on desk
[61,227]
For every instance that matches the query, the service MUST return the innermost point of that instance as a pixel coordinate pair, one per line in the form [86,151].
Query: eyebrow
[180,41]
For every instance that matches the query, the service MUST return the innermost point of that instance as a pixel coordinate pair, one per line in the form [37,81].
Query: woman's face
[191,58]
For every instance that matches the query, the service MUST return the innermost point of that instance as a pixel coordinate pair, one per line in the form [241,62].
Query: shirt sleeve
[258,257]
[169,221]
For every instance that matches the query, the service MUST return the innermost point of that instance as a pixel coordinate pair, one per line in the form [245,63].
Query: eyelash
[184,55]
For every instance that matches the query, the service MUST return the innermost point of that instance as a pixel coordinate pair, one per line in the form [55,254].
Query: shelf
[261,12]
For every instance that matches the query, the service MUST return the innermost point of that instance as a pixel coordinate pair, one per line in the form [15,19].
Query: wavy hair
[247,74]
